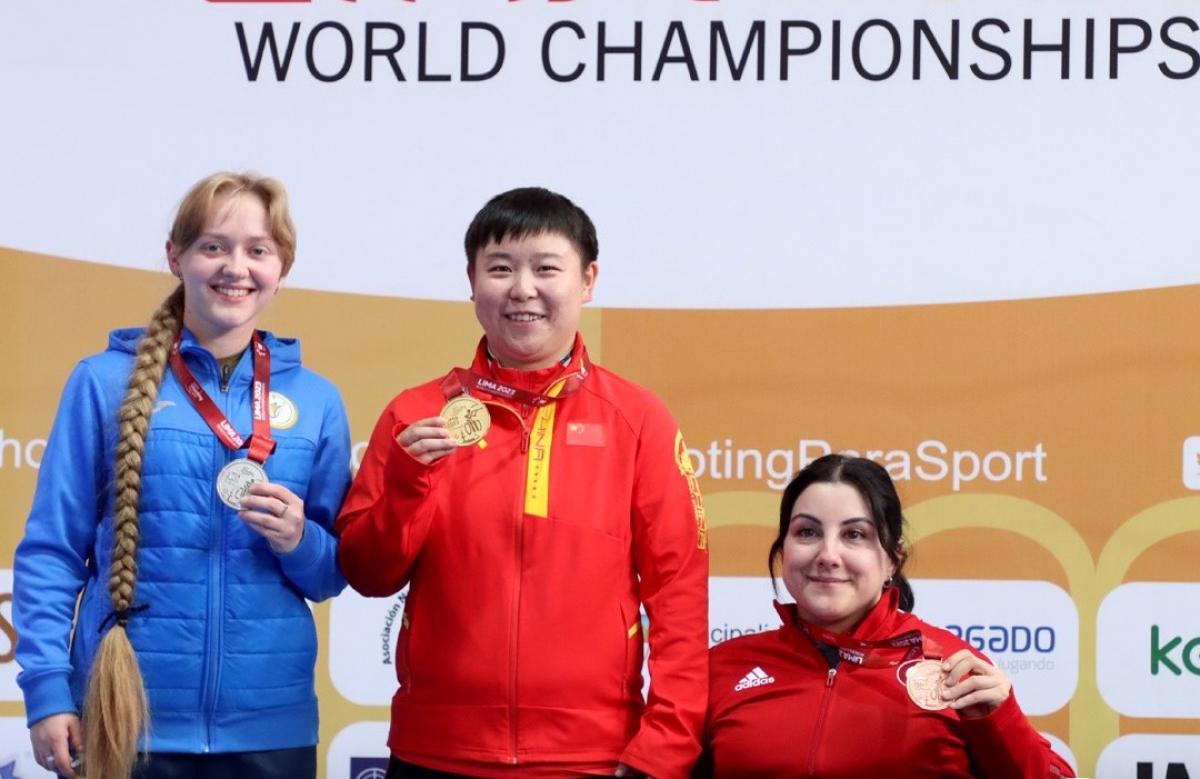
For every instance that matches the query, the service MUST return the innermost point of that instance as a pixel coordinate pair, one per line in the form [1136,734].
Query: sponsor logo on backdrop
[1148,650]
[930,460]
[368,767]
[9,691]
[362,646]
[1150,757]
[739,606]
[1030,629]
[15,453]
[358,751]
[1191,462]
[706,49]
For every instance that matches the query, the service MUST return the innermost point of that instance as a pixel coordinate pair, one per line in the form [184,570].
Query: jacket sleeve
[387,513]
[313,565]
[51,562]
[1004,745]
[670,551]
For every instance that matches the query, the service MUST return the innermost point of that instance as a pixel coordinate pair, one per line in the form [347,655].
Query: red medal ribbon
[261,442]
[887,653]
[462,381]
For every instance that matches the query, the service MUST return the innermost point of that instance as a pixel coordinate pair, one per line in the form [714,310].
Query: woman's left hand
[974,687]
[276,513]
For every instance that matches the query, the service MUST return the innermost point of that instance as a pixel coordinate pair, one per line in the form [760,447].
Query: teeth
[232,292]
[524,317]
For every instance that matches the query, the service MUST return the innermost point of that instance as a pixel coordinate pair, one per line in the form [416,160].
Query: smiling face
[230,272]
[529,294]
[833,563]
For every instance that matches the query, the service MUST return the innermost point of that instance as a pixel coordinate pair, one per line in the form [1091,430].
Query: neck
[227,343]
[564,361]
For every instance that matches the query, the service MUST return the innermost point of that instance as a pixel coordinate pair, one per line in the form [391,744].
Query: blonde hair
[115,711]
[197,207]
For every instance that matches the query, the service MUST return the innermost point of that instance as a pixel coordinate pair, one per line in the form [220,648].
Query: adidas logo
[756,678]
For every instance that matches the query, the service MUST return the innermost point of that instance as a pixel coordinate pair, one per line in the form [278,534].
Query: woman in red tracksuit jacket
[530,550]
[852,684]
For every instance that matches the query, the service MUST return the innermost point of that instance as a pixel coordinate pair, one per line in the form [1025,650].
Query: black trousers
[298,763]
[400,770]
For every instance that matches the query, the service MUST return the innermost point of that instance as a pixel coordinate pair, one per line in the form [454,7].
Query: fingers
[283,533]
[427,440]
[276,513]
[974,686]
[52,740]
[273,499]
[75,734]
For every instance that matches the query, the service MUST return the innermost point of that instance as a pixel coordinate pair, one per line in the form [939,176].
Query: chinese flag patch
[585,434]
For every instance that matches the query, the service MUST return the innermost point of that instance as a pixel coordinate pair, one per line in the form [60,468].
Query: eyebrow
[224,237]
[811,518]
[503,255]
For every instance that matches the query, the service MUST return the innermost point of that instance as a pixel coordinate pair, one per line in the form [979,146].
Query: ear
[471,278]
[590,274]
[173,259]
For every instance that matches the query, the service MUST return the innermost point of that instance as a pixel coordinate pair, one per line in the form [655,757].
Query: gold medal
[924,682]
[467,419]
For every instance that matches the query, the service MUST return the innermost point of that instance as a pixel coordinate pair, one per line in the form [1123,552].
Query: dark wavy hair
[878,493]
[519,213]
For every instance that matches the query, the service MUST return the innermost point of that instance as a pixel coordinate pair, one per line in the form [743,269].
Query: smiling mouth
[232,292]
[825,580]
[524,317]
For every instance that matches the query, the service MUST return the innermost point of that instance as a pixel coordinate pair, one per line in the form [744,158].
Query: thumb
[75,734]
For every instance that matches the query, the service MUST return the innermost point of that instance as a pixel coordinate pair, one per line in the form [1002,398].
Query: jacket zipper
[518,531]
[816,739]
[216,581]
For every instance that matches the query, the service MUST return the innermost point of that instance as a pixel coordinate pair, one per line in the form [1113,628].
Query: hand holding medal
[427,440]
[974,687]
[274,512]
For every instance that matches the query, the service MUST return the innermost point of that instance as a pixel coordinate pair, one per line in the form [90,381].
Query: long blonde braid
[115,710]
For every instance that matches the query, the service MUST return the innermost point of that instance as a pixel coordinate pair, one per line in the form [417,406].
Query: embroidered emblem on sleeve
[684,461]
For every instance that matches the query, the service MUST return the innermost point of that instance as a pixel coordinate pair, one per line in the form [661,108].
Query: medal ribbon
[887,653]
[462,381]
[261,442]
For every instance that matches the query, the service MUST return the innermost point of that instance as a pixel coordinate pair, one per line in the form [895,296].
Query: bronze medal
[924,683]
[467,420]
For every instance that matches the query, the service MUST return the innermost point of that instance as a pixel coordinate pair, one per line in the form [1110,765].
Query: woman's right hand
[57,736]
[427,440]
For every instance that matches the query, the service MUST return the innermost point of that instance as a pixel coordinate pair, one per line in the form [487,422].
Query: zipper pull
[524,439]
[829,677]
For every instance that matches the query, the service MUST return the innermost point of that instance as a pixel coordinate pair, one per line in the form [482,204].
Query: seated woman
[852,684]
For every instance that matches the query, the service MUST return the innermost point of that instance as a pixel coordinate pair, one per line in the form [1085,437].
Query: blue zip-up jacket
[227,644]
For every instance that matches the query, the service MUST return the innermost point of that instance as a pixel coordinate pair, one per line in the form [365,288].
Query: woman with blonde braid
[187,491]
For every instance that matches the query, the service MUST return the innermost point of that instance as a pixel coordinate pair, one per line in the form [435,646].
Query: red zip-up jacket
[777,709]
[528,556]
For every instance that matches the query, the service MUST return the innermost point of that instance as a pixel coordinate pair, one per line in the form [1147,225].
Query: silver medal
[235,478]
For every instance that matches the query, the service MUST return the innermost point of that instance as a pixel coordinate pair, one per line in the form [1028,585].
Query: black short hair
[526,211]
[873,483]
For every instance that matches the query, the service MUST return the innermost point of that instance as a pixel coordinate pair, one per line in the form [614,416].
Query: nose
[523,286]
[236,263]
[829,553]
